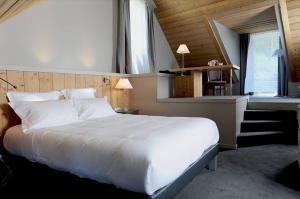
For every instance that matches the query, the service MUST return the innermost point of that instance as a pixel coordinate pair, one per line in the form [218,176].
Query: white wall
[165,58]
[75,35]
[62,34]
[231,42]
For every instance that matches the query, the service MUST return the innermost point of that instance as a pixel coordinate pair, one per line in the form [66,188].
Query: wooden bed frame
[24,168]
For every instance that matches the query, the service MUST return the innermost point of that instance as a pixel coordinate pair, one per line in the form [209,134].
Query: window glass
[262,64]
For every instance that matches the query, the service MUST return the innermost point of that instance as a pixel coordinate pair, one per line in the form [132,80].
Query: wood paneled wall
[47,81]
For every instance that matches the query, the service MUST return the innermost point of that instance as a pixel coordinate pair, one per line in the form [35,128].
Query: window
[262,64]
[139,37]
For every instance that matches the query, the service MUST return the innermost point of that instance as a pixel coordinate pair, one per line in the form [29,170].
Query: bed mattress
[134,152]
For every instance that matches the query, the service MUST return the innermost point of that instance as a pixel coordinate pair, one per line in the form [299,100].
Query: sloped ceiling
[259,21]
[293,7]
[9,8]
[182,22]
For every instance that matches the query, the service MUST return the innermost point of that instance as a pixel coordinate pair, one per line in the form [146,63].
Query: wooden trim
[12,8]
[197,81]
[205,68]
[214,38]
[288,38]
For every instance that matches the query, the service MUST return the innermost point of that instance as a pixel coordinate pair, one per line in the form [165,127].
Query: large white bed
[134,152]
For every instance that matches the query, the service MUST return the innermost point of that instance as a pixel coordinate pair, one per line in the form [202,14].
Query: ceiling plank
[200,9]
[288,38]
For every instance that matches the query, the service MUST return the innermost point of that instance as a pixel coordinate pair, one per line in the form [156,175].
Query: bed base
[208,160]
[21,165]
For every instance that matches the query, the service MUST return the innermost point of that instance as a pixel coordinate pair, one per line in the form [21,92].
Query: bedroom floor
[260,172]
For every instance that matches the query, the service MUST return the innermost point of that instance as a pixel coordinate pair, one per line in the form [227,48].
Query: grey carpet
[259,172]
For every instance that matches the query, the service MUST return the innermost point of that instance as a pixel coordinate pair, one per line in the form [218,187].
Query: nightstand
[132,112]
[5,172]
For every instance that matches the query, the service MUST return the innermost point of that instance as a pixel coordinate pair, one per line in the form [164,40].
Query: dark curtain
[123,44]
[150,31]
[282,73]
[244,45]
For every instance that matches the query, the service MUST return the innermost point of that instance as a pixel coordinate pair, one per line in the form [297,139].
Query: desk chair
[214,79]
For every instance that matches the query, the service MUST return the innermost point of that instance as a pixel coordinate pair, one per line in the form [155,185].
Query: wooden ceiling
[293,7]
[184,21]
[9,8]
[259,21]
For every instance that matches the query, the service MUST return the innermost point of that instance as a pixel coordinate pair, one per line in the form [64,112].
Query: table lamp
[182,49]
[123,84]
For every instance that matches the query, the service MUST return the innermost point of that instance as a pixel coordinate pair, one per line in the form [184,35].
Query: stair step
[246,134]
[262,121]
[262,138]
[270,115]
[262,125]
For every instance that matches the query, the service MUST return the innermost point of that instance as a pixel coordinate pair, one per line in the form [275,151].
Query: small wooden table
[197,76]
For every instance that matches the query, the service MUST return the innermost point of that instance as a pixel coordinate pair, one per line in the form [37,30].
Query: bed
[152,155]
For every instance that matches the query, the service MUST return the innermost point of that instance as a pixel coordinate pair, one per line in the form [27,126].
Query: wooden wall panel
[58,81]
[31,82]
[46,82]
[80,81]
[70,81]
[17,79]
[106,87]
[41,82]
[3,103]
[115,94]
[99,86]
[94,81]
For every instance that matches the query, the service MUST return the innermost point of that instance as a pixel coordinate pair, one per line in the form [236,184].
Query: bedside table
[132,112]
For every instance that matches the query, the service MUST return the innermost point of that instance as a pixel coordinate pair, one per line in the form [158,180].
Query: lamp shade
[123,83]
[183,49]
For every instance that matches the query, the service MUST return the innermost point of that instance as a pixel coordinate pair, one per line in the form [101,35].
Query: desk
[197,76]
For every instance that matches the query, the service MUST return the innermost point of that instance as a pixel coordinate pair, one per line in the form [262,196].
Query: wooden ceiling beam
[288,38]
[214,38]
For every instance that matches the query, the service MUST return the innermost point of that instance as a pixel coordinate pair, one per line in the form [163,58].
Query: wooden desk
[197,76]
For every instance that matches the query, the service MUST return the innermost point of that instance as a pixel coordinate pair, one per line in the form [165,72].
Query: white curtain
[262,65]
[139,37]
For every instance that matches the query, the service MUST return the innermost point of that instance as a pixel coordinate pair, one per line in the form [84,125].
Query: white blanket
[135,152]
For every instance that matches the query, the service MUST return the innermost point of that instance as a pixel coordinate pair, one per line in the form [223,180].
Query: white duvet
[134,152]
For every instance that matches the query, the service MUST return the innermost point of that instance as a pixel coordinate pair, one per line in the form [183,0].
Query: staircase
[267,127]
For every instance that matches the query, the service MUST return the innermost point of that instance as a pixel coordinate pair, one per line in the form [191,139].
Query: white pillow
[45,113]
[93,108]
[80,93]
[30,96]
